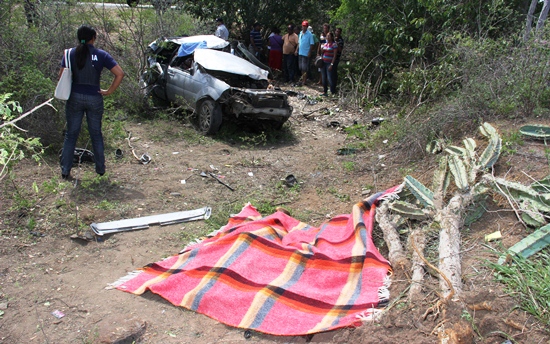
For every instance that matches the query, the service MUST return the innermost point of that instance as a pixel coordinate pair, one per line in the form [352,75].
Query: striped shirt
[328,51]
[256,37]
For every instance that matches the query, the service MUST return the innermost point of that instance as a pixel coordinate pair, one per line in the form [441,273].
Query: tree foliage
[13,146]
[403,36]
[240,15]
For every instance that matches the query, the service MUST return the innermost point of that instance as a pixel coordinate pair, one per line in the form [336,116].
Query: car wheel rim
[206,115]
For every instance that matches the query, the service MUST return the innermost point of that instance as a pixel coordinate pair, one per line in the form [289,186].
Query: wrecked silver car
[196,73]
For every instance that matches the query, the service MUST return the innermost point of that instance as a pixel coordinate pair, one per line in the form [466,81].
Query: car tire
[158,101]
[209,115]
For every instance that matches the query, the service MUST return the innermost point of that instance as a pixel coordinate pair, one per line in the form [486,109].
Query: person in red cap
[306,42]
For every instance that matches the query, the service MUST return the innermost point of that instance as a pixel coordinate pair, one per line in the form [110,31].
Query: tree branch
[12,122]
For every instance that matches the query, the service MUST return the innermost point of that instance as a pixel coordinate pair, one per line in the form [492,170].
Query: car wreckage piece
[146,221]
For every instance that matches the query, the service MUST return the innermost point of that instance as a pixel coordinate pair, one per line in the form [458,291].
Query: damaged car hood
[224,62]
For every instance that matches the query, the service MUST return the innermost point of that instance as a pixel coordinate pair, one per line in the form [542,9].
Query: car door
[178,86]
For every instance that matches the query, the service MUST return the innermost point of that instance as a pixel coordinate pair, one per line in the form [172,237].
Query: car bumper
[262,104]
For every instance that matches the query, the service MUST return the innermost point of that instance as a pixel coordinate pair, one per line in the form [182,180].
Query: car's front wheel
[209,115]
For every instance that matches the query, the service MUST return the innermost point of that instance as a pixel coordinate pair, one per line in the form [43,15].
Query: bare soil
[42,274]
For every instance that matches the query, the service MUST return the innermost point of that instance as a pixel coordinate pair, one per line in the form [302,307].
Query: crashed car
[196,72]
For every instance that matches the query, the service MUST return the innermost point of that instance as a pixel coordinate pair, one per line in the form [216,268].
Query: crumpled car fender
[212,87]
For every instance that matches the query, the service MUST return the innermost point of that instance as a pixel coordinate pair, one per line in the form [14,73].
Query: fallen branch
[509,201]
[417,239]
[396,254]
[221,182]
[13,121]
[306,115]
[450,285]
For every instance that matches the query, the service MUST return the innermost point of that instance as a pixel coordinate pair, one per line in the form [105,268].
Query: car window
[182,62]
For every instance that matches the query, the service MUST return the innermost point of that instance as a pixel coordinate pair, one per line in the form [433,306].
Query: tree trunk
[530,17]
[449,244]
[417,239]
[543,15]
[396,253]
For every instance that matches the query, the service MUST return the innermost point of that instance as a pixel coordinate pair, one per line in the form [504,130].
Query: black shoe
[64,176]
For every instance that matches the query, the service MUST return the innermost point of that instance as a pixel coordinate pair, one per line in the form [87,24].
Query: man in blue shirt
[306,43]
[256,41]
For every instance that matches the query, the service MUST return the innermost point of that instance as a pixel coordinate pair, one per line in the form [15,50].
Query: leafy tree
[239,15]
[405,36]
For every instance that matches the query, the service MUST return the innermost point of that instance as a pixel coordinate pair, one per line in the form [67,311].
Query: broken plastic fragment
[493,236]
[58,314]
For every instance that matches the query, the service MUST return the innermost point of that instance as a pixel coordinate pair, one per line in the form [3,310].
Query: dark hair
[290,26]
[84,34]
[276,30]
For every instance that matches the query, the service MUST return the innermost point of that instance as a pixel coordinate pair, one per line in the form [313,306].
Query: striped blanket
[277,275]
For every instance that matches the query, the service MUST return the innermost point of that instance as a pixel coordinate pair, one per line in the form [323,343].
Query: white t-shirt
[222,32]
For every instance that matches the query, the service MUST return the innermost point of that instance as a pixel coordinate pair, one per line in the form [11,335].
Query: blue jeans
[78,105]
[289,68]
[328,78]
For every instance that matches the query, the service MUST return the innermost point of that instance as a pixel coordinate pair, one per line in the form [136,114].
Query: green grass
[528,281]
[510,142]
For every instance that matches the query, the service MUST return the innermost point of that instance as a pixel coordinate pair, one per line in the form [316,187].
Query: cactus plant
[540,132]
[422,193]
[408,210]
[492,152]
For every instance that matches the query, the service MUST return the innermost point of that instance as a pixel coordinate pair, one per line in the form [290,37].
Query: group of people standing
[298,47]
[293,53]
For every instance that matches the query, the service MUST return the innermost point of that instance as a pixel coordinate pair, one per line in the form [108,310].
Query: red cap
[305,23]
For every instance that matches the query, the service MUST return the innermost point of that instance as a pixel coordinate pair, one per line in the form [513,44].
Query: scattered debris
[220,181]
[146,221]
[80,155]
[86,236]
[377,121]
[3,306]
[58,314]
[346,151]
[291,93]
[144,159]
[493,236]
[333,124]
[290,180]
[119,153]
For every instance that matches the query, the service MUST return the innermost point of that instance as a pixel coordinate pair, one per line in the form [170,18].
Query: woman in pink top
[329,51]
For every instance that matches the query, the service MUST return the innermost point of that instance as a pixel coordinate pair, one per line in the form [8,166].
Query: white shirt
[222,32]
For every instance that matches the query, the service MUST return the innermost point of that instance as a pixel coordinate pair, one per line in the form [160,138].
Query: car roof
[226,62]
[211,41]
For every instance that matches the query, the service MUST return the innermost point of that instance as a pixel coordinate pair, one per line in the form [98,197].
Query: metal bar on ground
[146,221]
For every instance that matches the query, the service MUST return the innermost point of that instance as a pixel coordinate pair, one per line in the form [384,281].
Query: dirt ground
[46,271]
